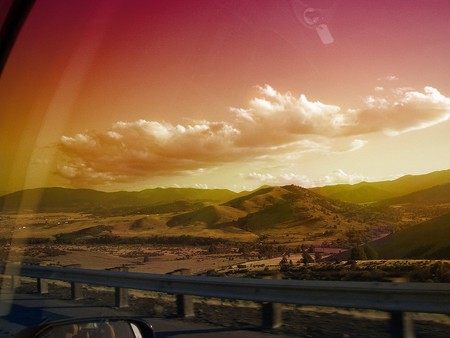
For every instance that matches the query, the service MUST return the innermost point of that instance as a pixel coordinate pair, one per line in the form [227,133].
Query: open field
[150,259]
[70,225]
[163,259]
[146,243]
[77,239]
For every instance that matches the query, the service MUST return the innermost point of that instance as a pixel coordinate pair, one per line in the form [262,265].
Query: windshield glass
[232,138]
[115,95]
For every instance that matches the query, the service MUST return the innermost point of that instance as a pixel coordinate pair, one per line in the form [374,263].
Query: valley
[161,230]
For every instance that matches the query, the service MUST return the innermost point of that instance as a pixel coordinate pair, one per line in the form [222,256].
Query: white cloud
[357,144]
[144,149]
[341,177]
[273,124]
[390,78]
[259,177]
[282,117]
[408,110]
[201,186]
[376,102]
[280,179]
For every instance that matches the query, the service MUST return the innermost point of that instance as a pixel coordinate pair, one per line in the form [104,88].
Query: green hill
[439,194]
[279,210]
[84,234]
[361,194]
[258,199]
[87,200]
[208,216]
[367,192]
[427,240]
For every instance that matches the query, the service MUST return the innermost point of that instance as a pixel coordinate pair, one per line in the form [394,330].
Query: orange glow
[228,94]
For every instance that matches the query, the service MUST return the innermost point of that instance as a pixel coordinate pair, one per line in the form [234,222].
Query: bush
[370,252]
[307,258]
[357,253]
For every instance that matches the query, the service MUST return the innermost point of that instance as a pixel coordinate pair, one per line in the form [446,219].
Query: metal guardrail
[396,298]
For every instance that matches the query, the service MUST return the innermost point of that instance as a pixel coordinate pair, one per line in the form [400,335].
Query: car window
[230,138]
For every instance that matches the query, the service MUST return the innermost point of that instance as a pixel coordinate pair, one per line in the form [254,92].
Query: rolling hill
[280,211]
[87,200]
[208,216]
[437,195]
[278,214]
[429,240]
[369,192]
[419,206]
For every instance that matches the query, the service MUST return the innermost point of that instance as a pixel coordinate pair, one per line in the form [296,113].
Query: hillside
[429,240]
[87,200]
[420,205]
[437,195]
[287,214]
[208,216]
[368,192]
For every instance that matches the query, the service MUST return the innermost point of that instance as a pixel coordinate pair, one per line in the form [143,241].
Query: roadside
[232,316]
[30,309]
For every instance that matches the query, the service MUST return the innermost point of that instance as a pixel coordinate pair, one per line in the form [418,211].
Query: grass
[430,240]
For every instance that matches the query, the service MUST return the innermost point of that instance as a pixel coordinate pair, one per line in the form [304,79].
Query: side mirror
[96,327]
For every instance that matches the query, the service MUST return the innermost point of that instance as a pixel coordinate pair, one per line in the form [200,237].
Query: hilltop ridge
[369,192]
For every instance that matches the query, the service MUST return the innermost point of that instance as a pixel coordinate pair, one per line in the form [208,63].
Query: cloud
[145,148]
[389,78]
[341,177]
[392,78]
[338,176]
[283,117]
[357,144]
[282,179]
[407,111]
[273,124]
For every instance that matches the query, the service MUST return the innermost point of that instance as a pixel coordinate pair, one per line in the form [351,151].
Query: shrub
[357,253]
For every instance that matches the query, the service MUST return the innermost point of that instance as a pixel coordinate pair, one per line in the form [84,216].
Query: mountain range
[428,240]
[369,192]
[284,215]
[88,200]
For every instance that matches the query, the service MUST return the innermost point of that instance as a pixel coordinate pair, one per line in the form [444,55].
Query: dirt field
[141,258]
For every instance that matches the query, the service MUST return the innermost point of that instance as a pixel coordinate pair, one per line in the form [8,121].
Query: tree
[284,264]
[356,237]
[307,258]
[357,253]
[370,252]
[317,256]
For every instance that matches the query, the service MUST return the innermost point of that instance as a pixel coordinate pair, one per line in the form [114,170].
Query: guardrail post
[76,290]
[42,286]
[185,306]
[121,294]
[272,316]
[15,281]
[402,325]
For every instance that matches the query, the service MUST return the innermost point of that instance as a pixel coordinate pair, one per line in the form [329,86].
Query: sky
[129,95]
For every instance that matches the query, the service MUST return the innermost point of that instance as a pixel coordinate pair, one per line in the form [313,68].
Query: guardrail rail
[396,298]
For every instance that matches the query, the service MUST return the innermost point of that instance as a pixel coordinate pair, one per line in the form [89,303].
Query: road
[18,311]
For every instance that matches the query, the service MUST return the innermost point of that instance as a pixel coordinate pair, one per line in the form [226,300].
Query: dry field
[150,259]
[48,225]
